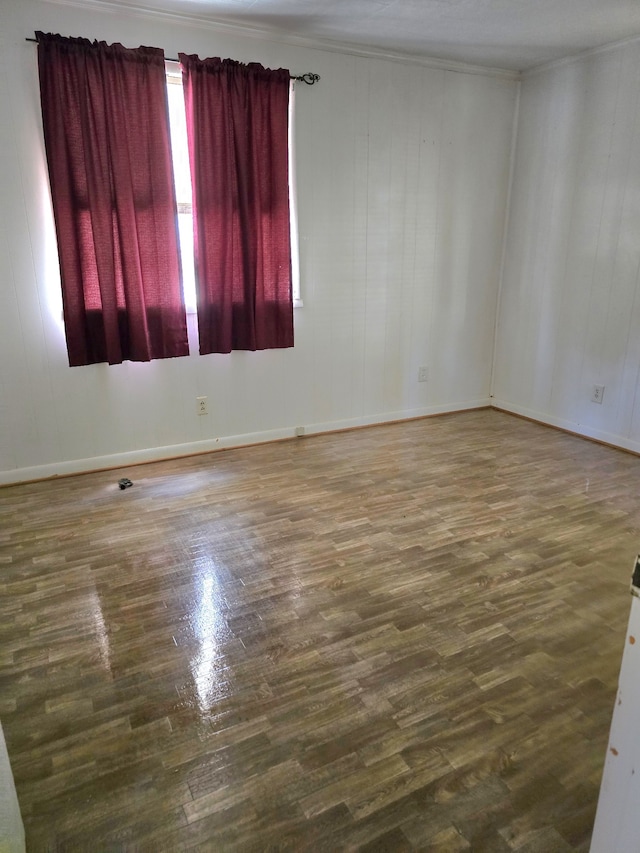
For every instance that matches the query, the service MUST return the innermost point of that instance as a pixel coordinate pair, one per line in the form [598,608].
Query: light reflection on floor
[101,632]
[210,629]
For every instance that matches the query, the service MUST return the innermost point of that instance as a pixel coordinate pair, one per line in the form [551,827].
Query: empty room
[319,425]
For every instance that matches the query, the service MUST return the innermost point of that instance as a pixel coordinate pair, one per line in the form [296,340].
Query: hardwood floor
[405,637]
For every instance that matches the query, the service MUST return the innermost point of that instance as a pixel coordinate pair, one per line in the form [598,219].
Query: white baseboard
[583,430]
[156,454]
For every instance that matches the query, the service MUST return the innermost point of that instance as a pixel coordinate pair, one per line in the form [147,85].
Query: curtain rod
[309,78]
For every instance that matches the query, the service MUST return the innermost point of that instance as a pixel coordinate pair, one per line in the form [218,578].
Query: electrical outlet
[201,406]
[423,373]
[597,394]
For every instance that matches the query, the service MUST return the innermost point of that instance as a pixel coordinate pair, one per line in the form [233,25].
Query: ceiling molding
[579,57]
[278,36]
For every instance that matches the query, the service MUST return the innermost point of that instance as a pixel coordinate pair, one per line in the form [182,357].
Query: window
[182,178]
[117,183]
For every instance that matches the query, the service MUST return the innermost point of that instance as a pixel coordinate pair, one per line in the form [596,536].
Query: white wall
[402,182]
[570,302]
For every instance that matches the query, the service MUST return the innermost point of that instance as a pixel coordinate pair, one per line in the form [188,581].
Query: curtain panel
[237,126]
[106,132]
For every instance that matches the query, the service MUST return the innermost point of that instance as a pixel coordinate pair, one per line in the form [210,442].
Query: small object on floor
[124,483]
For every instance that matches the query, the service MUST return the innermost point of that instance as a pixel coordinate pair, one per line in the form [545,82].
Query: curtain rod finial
[309,78]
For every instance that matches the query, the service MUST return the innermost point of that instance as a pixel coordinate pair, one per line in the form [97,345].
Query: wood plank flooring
[400,638]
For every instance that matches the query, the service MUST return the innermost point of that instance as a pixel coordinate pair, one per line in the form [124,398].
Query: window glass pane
[185,228]
[293,206]
[182,179]
[179,144]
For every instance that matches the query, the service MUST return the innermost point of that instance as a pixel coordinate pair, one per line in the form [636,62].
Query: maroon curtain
[237,124]
[106,131]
